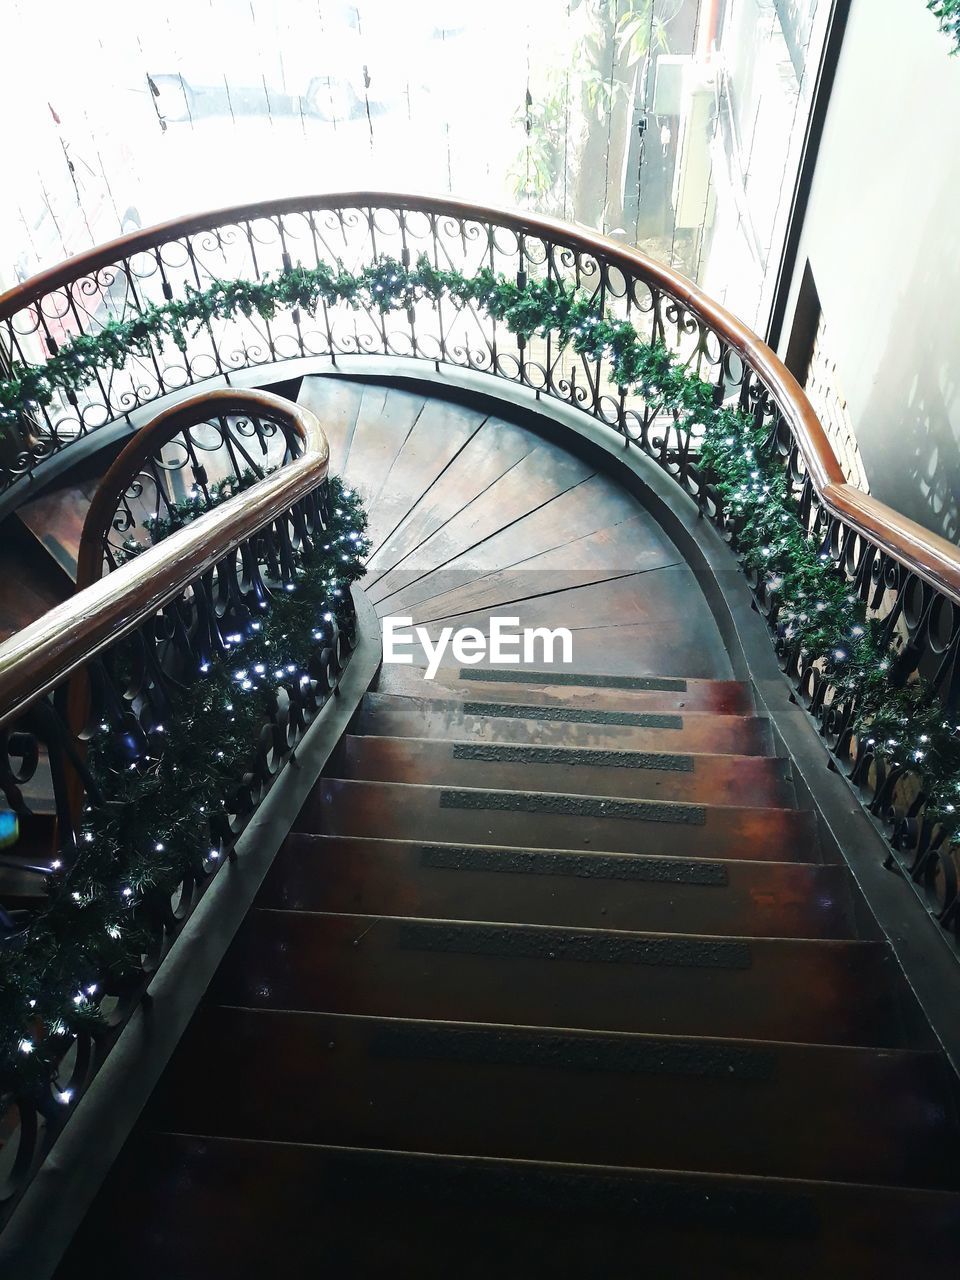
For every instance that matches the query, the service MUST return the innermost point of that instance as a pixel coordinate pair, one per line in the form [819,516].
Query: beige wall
[882,236]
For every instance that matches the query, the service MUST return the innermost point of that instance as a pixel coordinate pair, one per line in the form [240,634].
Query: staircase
[506,1006]
[553,975]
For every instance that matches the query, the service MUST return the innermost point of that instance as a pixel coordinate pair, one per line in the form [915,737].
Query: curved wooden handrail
[164,426]
[39,657]
[932,557]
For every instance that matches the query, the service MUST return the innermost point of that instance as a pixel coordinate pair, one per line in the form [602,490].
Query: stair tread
[823,991]
[556,820]
[388,715]
[651,775]
[336,402]
[440,432]
[552,1094]
[537,1218]
[485,457]
[532,886]
[719,697]
[56,518]
[30,581]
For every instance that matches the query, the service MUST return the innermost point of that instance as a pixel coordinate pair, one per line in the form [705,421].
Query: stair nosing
[880,945]
[473,844]
[931,1054]
[751,1180]
[575,795]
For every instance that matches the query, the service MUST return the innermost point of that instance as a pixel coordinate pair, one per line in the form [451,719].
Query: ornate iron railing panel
[182,464]
[105,696]
[906,576]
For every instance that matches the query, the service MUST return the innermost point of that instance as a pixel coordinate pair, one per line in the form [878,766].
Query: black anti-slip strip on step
[506,753]
[585,866]
[573,715]
[523,1048]
[689,815]
[520,943]
[707,1204]
[493,676]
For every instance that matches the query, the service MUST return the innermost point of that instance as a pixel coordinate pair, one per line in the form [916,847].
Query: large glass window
[673,124]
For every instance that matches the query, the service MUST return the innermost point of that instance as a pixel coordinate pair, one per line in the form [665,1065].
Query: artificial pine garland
[819,618]
[163,817]
[947,13]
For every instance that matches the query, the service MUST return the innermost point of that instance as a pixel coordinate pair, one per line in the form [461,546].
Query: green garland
[384,286]
[818,619]
[947,13]
[164,816]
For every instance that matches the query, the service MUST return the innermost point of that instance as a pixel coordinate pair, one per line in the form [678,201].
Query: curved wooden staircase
[553,976]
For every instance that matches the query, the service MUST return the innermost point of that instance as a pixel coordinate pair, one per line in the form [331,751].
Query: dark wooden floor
[553,976]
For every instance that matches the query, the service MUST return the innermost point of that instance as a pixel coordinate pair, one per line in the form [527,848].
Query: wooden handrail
[45,653]
[166,424]
[932,557]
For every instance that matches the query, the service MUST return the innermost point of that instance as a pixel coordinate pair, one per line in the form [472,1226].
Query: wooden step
[388,716]
[821,992]
[439,433]
[648,623]
[545,820]
[571,689]
[643,775]
[203,1208]
[535,1094]
[535,479]
[336,402]
[613,539]
[31,582]
[385,418]
[55,519]
[489,453]
[535,886]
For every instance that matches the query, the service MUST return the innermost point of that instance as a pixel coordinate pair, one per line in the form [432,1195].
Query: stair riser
[386,878]
[557,1096]
[402,812]
[704,779]
[387,716]
[436,1218]
[810,992]
[713,697]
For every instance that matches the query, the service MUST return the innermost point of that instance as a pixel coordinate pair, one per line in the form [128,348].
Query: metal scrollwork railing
[186,461]
[92,703]
[905,576]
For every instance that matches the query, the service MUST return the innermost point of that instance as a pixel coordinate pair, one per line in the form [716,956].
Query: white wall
[882,236]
